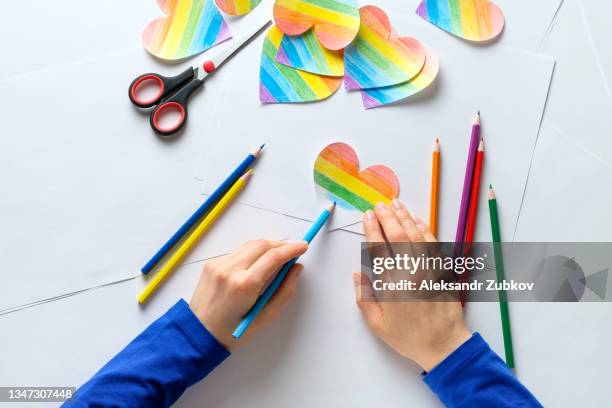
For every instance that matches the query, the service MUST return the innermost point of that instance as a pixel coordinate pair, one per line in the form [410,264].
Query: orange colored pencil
[473,209]
[435,183]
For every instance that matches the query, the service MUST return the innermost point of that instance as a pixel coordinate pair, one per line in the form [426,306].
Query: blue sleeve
[171,354]
[474,376]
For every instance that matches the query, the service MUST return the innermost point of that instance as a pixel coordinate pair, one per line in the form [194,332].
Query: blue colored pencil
[207,205]
[274,285]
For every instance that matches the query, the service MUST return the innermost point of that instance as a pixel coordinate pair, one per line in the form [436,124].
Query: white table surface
[320,342]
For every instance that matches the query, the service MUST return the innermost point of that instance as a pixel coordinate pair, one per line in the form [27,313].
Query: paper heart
[378,58]
[376,97]
[191,27]
[237,7]
[473,20]
[336,169]
[335,22]
[306,53]
[281,84]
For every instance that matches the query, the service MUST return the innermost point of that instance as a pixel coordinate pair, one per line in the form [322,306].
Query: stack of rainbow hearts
[312,50]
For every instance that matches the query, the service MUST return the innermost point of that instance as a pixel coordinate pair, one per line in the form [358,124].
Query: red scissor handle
[165,86]
[164,119]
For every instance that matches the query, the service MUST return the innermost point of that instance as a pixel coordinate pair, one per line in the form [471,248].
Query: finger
[366,301]
[429,237]
[266,267]
[374,235]
[281,297]
[371,227]
[390,224]
[250,251]
[406,221]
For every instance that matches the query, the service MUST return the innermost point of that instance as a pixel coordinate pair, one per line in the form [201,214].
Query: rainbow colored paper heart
[335,22]
[373,98]
[281,84]
[336,170]
[306,53]
[191,27]
[473,20]
[376,58]
[237,7]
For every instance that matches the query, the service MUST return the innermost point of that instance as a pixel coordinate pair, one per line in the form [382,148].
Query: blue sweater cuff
[197,333]
[436,378]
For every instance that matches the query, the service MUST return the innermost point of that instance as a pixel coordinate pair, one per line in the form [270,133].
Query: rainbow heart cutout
[377,57]
[472,20]
[375,97]
[306,53]
[336,170]
[281,84]
[237,7]
[334,22]
[191,27]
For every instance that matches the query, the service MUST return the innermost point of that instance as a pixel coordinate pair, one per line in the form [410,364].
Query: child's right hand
[425,332]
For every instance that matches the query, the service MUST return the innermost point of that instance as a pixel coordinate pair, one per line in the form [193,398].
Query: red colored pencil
[473,210]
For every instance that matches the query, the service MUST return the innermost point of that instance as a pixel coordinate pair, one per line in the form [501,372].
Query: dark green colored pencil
[499,268]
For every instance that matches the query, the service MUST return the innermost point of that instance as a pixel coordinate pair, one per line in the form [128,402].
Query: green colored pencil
[499,268]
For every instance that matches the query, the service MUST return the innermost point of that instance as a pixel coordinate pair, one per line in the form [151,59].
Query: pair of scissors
[172,93]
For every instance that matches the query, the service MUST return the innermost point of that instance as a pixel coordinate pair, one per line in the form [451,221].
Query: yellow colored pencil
[194,237]
[435,182]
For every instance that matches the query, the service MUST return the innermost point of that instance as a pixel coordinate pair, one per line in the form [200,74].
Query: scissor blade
[237,44]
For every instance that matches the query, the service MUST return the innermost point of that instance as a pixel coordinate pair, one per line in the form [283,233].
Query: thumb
[366,301]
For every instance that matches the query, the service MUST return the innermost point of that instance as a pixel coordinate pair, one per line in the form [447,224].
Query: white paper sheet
[89,192]
[598,14]
[579,103]
[509,86]
[568,194]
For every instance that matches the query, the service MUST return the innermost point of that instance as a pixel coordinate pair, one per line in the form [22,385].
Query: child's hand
[425,332]
[230,285]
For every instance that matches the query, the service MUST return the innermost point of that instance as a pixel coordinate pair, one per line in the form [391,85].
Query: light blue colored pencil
[280,277]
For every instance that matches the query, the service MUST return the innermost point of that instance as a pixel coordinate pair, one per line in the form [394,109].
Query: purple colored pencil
[467,187]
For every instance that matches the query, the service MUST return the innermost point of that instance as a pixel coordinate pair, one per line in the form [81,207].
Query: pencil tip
[262,146]
[247,175]
[332,206]
[490,186]
[437,140]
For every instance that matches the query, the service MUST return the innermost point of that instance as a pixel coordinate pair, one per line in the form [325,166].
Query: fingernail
[356,279]
[381,206]
[369,215]
[396,205]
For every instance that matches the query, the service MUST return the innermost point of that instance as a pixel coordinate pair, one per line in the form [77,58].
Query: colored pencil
[435,183]
[473,210]
[195,236]
[199,213]
[274,285]
[467,184]
[499,268]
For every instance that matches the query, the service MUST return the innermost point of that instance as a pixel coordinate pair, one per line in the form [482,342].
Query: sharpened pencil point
[490,186]
[332,206]
[257,151]
[246,176]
